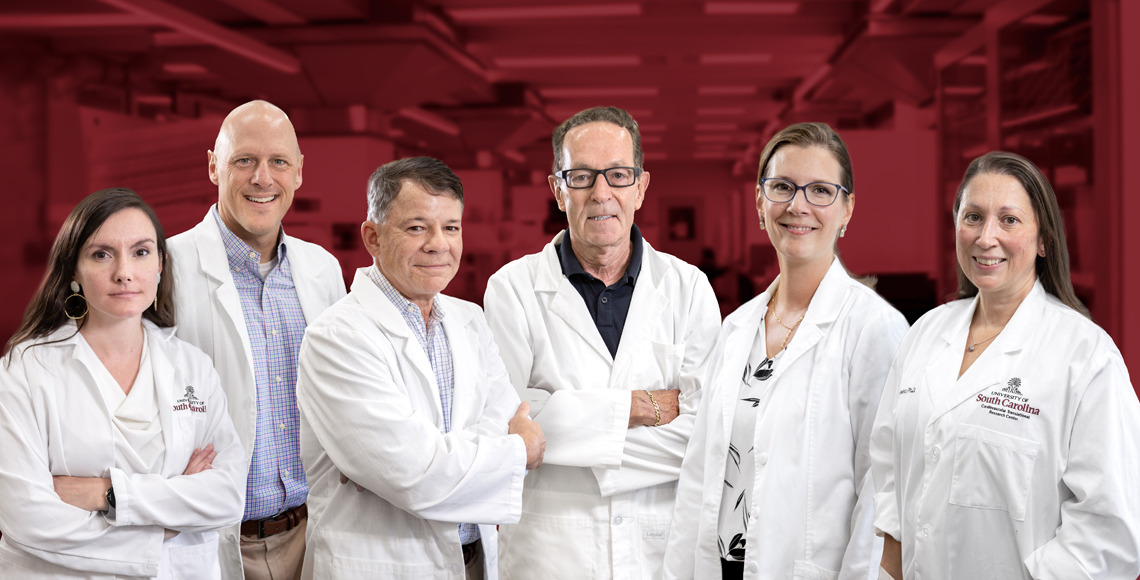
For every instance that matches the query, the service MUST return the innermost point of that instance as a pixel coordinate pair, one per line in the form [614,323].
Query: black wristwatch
[111,497]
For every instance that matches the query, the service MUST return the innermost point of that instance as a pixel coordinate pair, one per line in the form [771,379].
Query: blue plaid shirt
[434,342]
[276,324]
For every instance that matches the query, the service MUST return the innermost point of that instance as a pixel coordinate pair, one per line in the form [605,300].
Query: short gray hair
[431,174]
[614,115]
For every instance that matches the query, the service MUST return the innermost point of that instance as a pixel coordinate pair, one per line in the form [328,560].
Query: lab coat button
[762,459]
[935,453]
[752,567]
[456,569]
[617,520]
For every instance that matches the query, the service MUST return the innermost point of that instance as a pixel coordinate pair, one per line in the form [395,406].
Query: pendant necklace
[791,328]
[971,346]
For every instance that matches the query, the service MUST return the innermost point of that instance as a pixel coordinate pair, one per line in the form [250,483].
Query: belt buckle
[261,528]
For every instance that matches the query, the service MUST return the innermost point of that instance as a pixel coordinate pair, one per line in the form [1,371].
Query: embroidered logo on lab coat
[189,402]
[1009,402]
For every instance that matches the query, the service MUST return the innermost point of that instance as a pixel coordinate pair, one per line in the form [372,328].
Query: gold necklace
[791,328]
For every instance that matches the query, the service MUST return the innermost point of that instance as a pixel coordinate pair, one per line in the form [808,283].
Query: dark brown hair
[1052,269]
[45,313]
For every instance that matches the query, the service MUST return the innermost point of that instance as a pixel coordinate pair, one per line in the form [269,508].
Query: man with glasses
[607,339]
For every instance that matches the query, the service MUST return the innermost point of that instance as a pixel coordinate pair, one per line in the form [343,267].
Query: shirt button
[617,520]
[277,378]
[253,255]
[605,299]
[762,459]
[285,472]
[281,426]
[273,332]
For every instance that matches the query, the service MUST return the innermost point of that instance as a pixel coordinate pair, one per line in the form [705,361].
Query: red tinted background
[131,92]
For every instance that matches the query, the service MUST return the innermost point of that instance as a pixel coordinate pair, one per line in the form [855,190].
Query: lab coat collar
[392,322]
[948,390]
[822,311]
[566,303]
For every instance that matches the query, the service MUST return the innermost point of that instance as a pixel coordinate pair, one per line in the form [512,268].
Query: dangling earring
[156,286]
[843,230]
[762,226]
[75,293]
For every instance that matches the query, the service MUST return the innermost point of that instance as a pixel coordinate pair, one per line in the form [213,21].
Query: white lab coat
[812,498]
[1026,466]
[370,410]
[210,317]
[600,505]
[55,421]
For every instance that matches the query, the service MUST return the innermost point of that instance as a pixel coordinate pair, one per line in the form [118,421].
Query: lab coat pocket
[664,368]
[992,470]
[193,556]
[541,544]
[809,571]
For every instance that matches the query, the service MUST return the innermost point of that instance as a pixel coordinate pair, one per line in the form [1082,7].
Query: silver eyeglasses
[819,193]
[615,176]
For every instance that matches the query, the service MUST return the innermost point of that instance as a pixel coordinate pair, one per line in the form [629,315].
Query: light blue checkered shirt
[434,342]
[276,324]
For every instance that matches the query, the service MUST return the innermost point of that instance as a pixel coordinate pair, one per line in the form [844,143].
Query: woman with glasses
[117,455]
[775,482]
[1007,443]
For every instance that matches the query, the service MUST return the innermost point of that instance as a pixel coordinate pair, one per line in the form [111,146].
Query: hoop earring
[75,293]
[156,286]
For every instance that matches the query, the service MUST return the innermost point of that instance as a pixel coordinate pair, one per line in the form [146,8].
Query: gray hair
[614,115]
[431,174]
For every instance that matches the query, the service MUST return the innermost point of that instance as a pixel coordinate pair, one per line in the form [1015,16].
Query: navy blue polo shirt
[608,305]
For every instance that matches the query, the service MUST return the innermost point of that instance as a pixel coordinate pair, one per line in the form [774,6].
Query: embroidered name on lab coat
[190,402]
[1009,402]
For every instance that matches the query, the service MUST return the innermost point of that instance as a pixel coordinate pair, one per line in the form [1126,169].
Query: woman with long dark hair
[1006,442]
[117,456]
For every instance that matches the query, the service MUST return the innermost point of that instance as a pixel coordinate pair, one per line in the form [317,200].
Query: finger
[523,410]
[343,478]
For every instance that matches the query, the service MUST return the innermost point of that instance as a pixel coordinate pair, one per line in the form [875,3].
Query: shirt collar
[571,265]
[240,255]
[406,307]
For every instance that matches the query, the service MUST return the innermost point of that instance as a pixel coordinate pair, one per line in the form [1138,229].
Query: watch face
[111,496]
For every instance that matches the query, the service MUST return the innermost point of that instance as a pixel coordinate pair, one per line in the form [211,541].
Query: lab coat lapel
[740,333]
[462,340]
[822,311]
[82,459]
[397,330]
[165,383]
[646,307]
[564,300]
[308,286]
[994,365]
[215,265]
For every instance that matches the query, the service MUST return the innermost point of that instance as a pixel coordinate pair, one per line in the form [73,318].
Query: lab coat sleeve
[652,455]
[583,427]
[205,501]
[358,406]
[683,548]
[884,456]
[1099,535]
[869,362]
[33,518]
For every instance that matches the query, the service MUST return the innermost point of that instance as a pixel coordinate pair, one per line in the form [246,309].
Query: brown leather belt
[282,522]
[471,550]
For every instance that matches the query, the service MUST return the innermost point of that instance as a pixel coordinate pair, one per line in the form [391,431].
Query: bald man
[245,292]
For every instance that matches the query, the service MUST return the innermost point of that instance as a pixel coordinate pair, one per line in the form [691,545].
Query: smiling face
[600,217]
[996,236]
[118,268]
[419,244]
[256,165]
[802,233]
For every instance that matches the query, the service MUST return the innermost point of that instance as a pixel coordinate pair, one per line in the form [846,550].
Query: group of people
[216,406]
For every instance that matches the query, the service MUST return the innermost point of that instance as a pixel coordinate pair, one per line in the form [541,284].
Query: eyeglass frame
[798,188]
[637,171]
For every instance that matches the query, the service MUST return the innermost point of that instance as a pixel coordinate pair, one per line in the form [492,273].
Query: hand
[344,479]
[892,557]
[200,460]
[641,412]
[85,493]
[531,432]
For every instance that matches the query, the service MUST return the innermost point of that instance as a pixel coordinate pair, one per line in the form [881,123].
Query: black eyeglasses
[615,176]
[819,193]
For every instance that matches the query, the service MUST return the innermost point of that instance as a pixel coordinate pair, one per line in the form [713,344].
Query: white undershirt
[139,447]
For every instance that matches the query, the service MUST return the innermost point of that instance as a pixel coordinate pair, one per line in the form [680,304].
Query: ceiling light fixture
[736,58]
[591,92]
[566,61]
[726,91]
[501,13]
[752,8]
[432,120]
